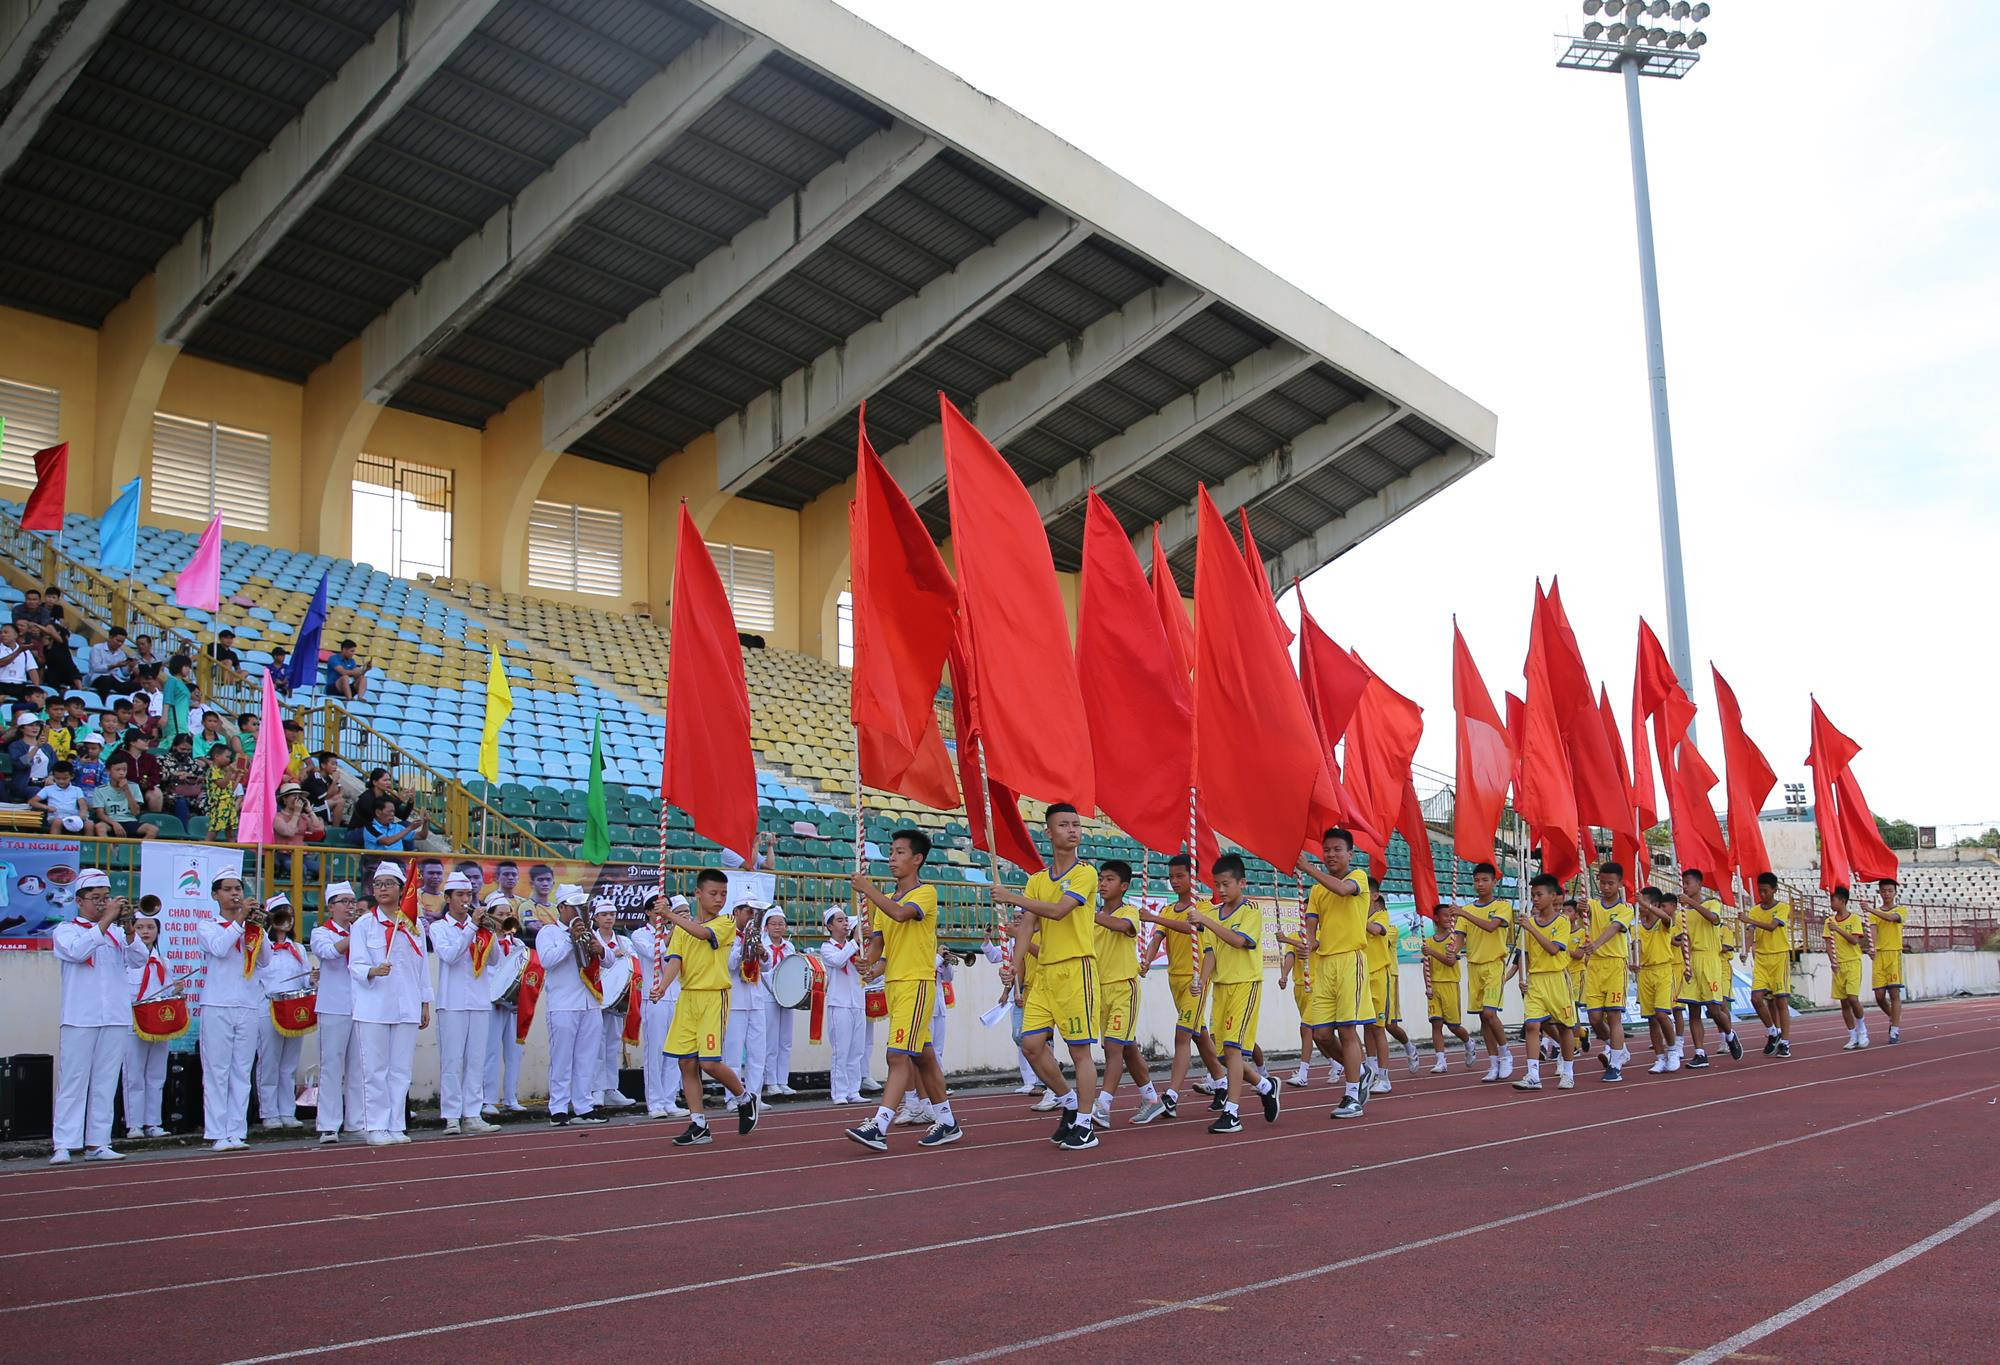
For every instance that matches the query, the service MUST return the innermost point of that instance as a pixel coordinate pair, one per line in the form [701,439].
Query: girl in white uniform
[503,1049]
[649,945]
[604,923]
[845,1028]
[145,1063]
[286,968]
[342,1099]
[778,1021]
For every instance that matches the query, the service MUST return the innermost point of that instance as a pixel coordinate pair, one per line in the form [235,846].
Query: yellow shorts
[1187,1010]
[1576,992]
[909,1017]
[1386,991]
[1549,999]
[1443,1003]
[1888,969]
[1657,989]
[1482,984]
[1235,1014]
[1302,992]
[697,1028]
[1847,979]
[1773,974]
[1118,1011]
[1065,1001]
[1706,988]
[1340,994]
[1604,984]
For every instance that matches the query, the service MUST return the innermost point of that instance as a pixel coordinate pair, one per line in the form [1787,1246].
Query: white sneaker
[1302,1075]
[156,1131]
[290,1123]
[1658,1067]
[674,1111]
[1410,1051]
[378,1138]
[273,1125]
[516,1107]
[1492,1072]
[1027,1088]
[451,1129]
[871,1086]
[1895,1035]
[1443,1065]
[103,1154]
[489,1111]
[1566,1080]
[913,1118]
[1673,1061]
[1337,1076]
[1381,1085]
[786,1090]
[479,1126]
[614,1100]
[60,1156]
[1471,1055]
[1506,1066]
[399,1137]
[222,1145]
[1049,1100]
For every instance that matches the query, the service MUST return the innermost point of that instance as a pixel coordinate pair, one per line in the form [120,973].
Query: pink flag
[257,823]
[199,587]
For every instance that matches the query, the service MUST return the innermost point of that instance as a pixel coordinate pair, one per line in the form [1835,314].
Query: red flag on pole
[1333,681]
[1423,871]
[1851,846]
[1141,728]
[1173,615]
[1628,843]
[1257,570]
[1010,838]
[1601,798]
[1032,724]
[1545,795]
[1750,780]
[707,767]
[1484,764]
[1256,758]
[1645,792]
[1698,838]
[44,508]
[905,612]
[1382,738]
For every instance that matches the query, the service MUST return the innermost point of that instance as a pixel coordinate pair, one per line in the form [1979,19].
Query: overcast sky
[1827,206]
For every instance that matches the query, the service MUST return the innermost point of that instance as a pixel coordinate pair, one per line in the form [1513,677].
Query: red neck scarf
[393,925]
[91,961]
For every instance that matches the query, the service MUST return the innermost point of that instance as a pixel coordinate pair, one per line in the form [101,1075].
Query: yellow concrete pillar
[334,424]
[512,466]
[689,474]
[132,365]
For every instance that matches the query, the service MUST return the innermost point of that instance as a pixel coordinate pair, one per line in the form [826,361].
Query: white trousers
[576,1051]
[938,1017]
[867,1045]
[503,1059]
[343,1096]
[778,1024]
[844,1034]
[277,1072]
[743,1046]
[386,1053]
[461,1062]
[88,1060]
[663,1073]
[228,1049]
[145,1079]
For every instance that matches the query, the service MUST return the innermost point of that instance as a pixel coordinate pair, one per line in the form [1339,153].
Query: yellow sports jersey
[1726,931]
[1180,947]
[1231,962]
[1118,954]
[909,947]
[1888,933]
[1075,934]
[1032,961]
[1382,946]
[1844,951]
[1442,973]
[1540,959]
[704,967]
[1656,944]
[1779,938]
[1703,936]
[1600,915]
[1341,922]
[1487,945]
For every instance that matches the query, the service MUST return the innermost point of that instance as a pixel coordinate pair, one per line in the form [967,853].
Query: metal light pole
[1622,42]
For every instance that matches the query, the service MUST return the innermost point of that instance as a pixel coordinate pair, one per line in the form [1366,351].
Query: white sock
[1352,1092]
[1173,1094]
[1149,1093]
[1229,1108]
[699,1119]
[942,1113]
[883,1118]
[1069,1102]
[1264,1086]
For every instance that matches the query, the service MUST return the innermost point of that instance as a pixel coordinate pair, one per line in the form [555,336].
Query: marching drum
[794,980]
[617,983]
[295,1013]
[503,979]
[875,998]
[160,1018]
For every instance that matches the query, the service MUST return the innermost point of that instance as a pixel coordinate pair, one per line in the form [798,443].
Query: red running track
[1831,1206]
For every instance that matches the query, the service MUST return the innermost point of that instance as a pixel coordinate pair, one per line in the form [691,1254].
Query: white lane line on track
[1805,1307]
[1071,1225]
[964,1184]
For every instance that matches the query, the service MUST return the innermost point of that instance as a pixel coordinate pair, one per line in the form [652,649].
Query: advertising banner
[180,874]
[36,876]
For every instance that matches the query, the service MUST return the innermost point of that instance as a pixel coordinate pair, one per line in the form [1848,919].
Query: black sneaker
[1348,1108]
[1066,1120]
[746,1116]
[694,1135]
[1770,1045]
[1226,1122]
[1735,1048]
[1784,1047]
[1173,1106]
[868,1135]
[1078,1138]
[1216,1101]
[590,1120]
[940,1135]
[1604,1060]
[1697,1062]
[558,1120]
[1271,1105]
[1612,1073]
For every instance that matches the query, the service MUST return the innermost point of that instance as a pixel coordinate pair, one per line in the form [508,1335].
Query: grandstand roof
[741,217]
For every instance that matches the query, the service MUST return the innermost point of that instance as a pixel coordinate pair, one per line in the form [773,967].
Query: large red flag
[1263,576]
[1698,838]
[708,769]
[1173,615]
[1544,794]
[1010,839]
[1750,780]
[1141,728]
[905,610]
[1257,761]
[1423,871]
[1031,723]
[1333,681]
[43,510]
[1645,792]
[1628,843]
[1601,798]
[1382,738]
[1851,847]
[1661,696]
[1484,764]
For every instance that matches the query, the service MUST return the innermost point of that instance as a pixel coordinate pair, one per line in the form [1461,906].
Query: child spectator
[117,803]
[145,769]
[62,804]
[221,795]
[90,766]
[280,669]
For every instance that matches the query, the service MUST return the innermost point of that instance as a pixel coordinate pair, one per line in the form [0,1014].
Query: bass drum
[503,978]
[617,983]
[792,981]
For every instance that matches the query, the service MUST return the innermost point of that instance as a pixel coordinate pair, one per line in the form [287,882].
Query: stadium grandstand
[454,304]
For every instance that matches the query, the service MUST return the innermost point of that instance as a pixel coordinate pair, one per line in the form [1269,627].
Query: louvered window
[32,415]
[750,577]
[576,549]
[201,468]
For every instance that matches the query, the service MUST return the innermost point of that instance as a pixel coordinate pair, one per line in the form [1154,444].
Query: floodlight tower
[1637,39]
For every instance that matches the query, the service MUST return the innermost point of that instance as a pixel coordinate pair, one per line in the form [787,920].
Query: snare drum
[616,981]
[503,979]
[875,1000]
[161,1019]
[295,1013]
[794,980]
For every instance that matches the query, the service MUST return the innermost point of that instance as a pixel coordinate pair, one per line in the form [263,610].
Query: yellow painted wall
[61,356]
[208,392]
[759,526]
[587,483]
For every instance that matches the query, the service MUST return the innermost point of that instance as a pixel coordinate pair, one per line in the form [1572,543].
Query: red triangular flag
[1544,794]
[44,508]
[1255,561]
[1173,614]
[1645,792]
[1484,763]
[1698,840]
[1750,780]
[1601,798]
[708,769]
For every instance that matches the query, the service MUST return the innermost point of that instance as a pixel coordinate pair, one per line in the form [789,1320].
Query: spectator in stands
[149,702]
[30,757]
[58,660]
[176,698]
[62,805]
[91,769]
[183,780]
[116,803]
[36,626]
[120,727]
[111,664]
[385,829]
[19,669]
[295,823]
[296,761]
[347,675]
[212,734]
[222,795]
[228,663]
[142,654]
[79,716]
[279,670]
[331,789]
[394,809]
[58,735]
[247,726]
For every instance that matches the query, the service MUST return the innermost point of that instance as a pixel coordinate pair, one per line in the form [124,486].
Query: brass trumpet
[583,939]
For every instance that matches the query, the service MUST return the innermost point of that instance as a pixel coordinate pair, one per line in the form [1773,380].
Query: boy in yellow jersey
[1607,957]
[1579,929]
[697,956]
[1886,966]
[1704,995]
[1659,978]
[1232,938]
[1769,922]
[1191,1036]
[1385,985]
[1846,935]
[1062,898]
[1118,994]
[1293,972]
[902,937]
[1441,954]
[1486,923]
[1336,934]
[1549,944]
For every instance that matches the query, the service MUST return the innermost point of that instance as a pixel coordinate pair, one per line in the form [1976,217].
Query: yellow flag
[499,705]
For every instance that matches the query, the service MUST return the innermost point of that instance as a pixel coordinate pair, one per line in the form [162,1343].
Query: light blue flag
[118,533]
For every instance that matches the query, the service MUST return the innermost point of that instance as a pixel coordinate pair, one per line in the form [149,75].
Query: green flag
[597,825]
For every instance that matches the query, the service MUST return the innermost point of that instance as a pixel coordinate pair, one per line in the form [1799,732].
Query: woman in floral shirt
[184,780]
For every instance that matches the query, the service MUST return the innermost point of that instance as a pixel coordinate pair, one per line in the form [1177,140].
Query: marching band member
[604,924]
[96,1019]
[940,1005]
[697,955]
[649,946]
[744,1037]
[503,1045]
[844,1005]
[145,1063]
[778,1021]
[286,968]
[342,1101]
[232,1006]
[392,1002]
[462,947]
[567,950]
